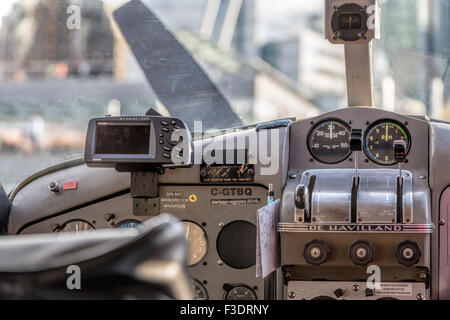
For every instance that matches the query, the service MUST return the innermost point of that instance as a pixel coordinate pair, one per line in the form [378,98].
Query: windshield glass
[63,62]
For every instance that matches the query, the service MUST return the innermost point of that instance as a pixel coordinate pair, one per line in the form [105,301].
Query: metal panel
[439,180]
[299,290]
[444,248]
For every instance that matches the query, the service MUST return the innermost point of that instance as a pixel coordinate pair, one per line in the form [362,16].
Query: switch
[338,292]
[369,292]
[109,216]
[54,187]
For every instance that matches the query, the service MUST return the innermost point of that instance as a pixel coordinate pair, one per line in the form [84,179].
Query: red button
[72,185]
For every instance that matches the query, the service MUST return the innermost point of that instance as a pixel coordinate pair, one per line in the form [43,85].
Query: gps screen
[122,139]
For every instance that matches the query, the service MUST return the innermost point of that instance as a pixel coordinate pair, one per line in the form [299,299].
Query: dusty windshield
[63,62]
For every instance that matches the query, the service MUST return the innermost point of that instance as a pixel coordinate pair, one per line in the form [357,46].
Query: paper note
[267,240]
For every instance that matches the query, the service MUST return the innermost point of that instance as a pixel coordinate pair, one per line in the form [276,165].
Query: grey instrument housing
[159,140]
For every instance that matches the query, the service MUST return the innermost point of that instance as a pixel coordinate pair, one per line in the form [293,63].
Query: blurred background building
[268,57]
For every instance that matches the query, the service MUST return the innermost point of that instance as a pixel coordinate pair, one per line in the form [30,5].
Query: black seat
[113,264]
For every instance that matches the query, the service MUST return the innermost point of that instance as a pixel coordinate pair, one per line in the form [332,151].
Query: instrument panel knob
[316,252]
[361,252]
[408,253]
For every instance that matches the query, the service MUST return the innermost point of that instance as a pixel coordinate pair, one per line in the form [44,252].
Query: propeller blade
[177,80]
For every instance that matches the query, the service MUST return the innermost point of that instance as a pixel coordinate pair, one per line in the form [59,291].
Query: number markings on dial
[328,141]
[379,141]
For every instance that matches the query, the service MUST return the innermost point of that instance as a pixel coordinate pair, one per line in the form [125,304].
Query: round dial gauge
[329,141]
[125,224]
[197,242]
[199,290]
[76,226]
[379,141]
[240,292]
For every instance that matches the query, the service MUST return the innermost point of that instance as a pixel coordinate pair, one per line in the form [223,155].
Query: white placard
[267,240]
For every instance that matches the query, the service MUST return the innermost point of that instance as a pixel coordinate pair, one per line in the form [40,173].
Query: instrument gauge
[379,141]
[76,226]
[329,141]
[199,290]
[240,292]
[197,242]
[130,223]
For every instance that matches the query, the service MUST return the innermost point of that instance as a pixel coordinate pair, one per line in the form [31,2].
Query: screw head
[220,262]
[293,176]
[441,222]
[292,294]
[355,287]
[221,224]
[420,296]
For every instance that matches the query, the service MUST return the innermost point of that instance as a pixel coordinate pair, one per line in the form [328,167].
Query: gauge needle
[331,131]
[387,132]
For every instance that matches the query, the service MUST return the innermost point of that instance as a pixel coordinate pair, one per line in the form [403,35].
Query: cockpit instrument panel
[329,141]
[379,141]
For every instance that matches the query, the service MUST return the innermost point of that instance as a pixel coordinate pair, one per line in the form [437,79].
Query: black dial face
[199,290]
[241,292]
[329,141]
[379,141]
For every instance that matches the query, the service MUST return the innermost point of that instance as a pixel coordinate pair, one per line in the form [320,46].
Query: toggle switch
[54,187]
[338,292]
